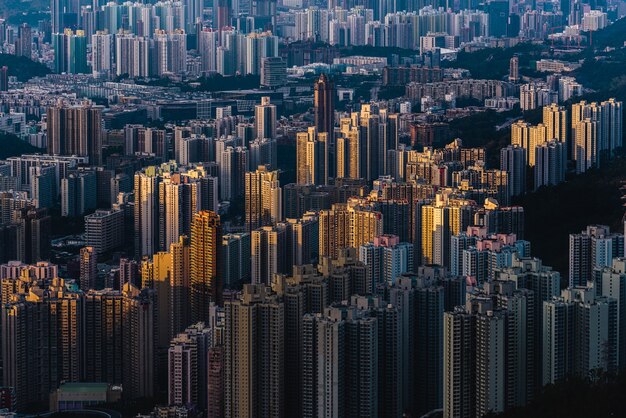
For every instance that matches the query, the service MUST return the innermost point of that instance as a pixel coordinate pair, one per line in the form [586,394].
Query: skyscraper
[103,57]
[580,332]
[263,197]
[550,163]
[206,285]
[88,268]
[42,336]
[235,256]
[104,230]
[324,101]
[268,254]
[70,52]
[254,354]
[139,350]
[514,69]
[4,78]
[513,161]
[343,226]
[312,155]
[222,10]
[265,119]
[440,221]
[187,366]
[474,359]
[104,335]
[146,212]
[595,247]
[75,130]
[179,200]
[179,282]
[555,119]
[342,343]
[586,147]
[33,234]
[613,285]
[24,42]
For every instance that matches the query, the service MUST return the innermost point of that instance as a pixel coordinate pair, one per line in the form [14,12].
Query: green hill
[10,146]
[23,68]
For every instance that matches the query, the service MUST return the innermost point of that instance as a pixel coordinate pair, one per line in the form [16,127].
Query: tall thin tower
[324,104]
[206,286]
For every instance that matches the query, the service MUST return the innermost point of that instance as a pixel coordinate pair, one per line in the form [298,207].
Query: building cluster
[588,134]
[395,260]
[378,269]
[176,38]
[557,88]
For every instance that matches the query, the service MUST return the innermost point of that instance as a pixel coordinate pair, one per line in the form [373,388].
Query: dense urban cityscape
[301,208]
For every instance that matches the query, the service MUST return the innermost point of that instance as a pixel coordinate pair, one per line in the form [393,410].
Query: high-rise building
[43,185]
[233,164]
[555,119]
[104,230]
[75,130]
[187,367]
[33,234]
[268,254]
[273,72]
[340,344]
[42,336]
[475,359]
[207,47]
[344,226]
[179,200]
[514,69]
[103,57]
[254,373]
[78,193]
[134,56]
[171,52]
[70,52]
[88,268]
[613,285]
[429,308]
[312,155]
[580,334]
[179,285]
[139,350]
[146,212]
[104,335]
[550,163]
[529,273]
[264,13]
[586,146]
[528,137]
[235,256]
[612,125]
[222,10]
[4,78]
[215,382]
[440,221]
[324,101]
[513,161]
[458,389]
[596,132]
[595,247]
[498,13]
[265,119]
[24,42]
[206,284]
[263,196]
[193,15]
[386,258]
